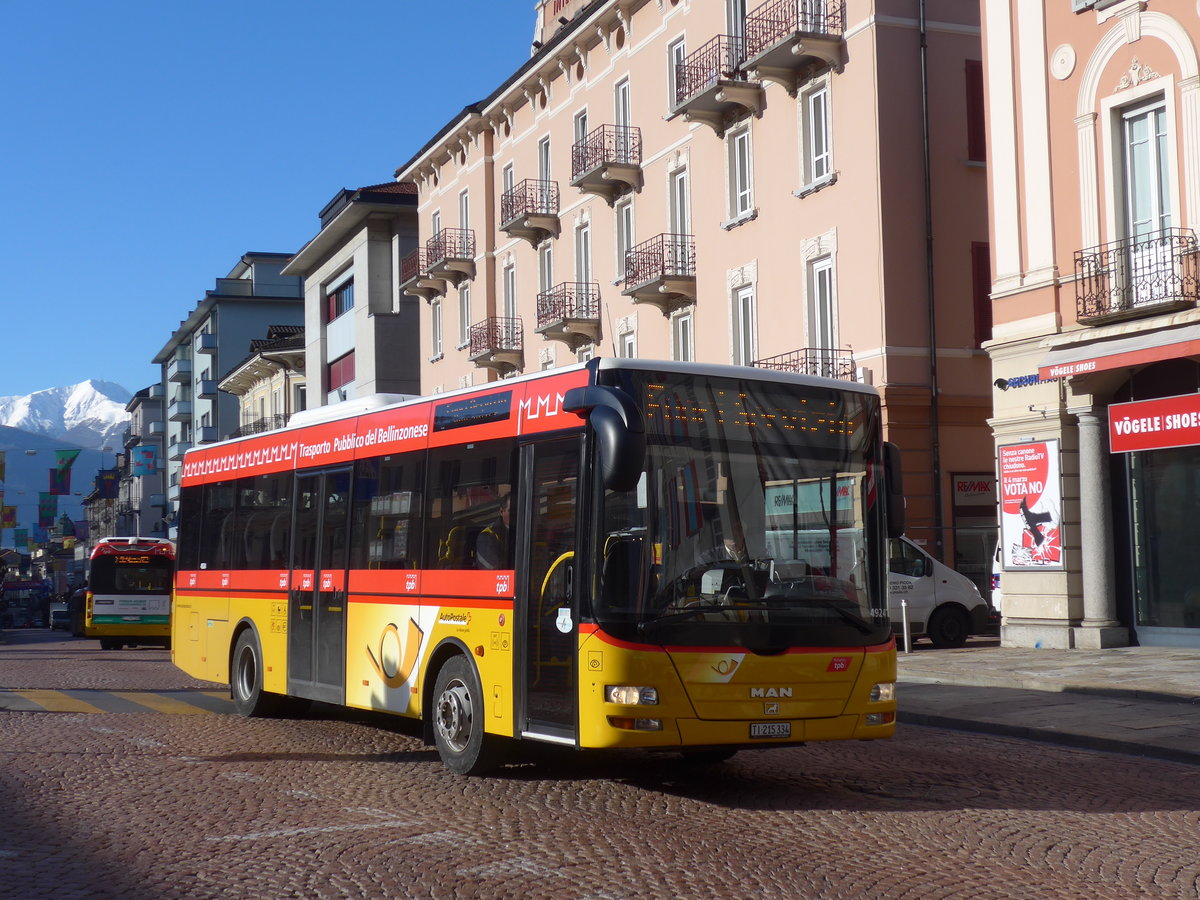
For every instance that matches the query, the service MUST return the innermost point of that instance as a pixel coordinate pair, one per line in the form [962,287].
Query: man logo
[771,692]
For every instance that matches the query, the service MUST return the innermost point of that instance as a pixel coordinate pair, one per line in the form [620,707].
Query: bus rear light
[628,723]
[884,718]
[883,693]
[627,695]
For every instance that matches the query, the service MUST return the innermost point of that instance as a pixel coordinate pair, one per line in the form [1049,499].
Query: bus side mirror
[620,433]
[894,484]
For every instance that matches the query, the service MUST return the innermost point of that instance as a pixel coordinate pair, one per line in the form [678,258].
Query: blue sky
[149,144]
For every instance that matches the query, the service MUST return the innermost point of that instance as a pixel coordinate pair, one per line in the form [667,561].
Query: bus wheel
[458,720]
[110,644]
[245,679]
[948,628]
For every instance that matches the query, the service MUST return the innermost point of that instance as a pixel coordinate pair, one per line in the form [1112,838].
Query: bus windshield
[755,522]
[131,574]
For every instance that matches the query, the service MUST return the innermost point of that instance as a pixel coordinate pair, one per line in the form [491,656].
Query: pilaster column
[1099,627]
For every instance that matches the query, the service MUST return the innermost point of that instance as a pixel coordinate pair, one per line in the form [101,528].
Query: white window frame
[740,171]
[683,336]
[509,296]
[464,315]
[544,170]
[623,219]
[580,126]
[583,253]
[744,325]
[464,209]
[435,222]
[822,304]
[627,345]
[435,329]
[680,201]
[816,135]
[507,176]
[545,266]
[676,54]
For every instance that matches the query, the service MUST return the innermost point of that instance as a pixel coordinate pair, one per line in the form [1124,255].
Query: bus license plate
[770,729]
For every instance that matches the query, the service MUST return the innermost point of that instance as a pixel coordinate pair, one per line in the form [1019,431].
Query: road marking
[390,822]
[182,702]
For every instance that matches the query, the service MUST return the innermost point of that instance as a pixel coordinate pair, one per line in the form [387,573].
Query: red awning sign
[1154,424]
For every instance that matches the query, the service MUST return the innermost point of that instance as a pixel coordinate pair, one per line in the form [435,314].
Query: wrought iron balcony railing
[776,20]
[414,265]
[531,197]
[569,300]
[1145,275]
[495,335]
[718,60]
[819,361]
[608,145]
[450,243]
[664,256]
[258,426]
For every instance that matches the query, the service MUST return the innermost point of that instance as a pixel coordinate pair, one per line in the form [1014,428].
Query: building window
[622,112]
[435,333]
[545,266]
[815,138]
[743,326]
[627,345]
[464,211]
[624,221]
[583,253]
[464,315]
[981,291]
[435,222]
[741,199]
[507,179]
[682,337]
[681,207]
[510,291]
[976,131]
[340,300]
[1147,170]
[340,372]
[544,159]
[822,311]
[581,125]
[676,54]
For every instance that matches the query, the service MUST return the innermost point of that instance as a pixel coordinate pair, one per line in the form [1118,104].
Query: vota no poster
[1031,506]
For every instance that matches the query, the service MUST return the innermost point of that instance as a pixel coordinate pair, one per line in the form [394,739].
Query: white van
[941,604]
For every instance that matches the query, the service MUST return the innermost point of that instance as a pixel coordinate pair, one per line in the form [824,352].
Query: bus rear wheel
[246,679]
[111,644]
[458,720]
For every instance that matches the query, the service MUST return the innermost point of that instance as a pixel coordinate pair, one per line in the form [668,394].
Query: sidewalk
[1143,701]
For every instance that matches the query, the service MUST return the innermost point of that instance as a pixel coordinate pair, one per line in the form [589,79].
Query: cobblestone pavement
[149,805]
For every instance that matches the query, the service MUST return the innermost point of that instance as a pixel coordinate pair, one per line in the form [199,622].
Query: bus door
[547,591]
[317,599]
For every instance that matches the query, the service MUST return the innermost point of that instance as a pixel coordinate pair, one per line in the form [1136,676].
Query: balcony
[570,312]
[710,86]
[785,39]
[498,344]
[819,361]
[175,451]
[662,271]
[450,255]
[258,426]
[207,389]
[206,434]
[206,342]
[179,410]
[157,429]
[530,210]
[415,278]
[608,162]
[179,370]
[131,438]
[157,500]
[1143,276]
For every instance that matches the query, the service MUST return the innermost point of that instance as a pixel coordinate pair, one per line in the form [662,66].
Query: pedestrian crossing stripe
[97,701]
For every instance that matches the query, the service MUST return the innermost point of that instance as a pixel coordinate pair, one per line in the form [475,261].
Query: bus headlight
[627,695]
[883,693]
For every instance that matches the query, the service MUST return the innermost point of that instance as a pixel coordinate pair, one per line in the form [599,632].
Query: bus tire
[458,720]
[111,644]
[948,628]
[246,679]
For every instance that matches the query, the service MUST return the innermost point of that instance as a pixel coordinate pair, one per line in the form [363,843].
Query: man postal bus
[577,557]
[128,598]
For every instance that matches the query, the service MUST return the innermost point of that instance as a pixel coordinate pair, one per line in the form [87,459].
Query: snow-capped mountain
[90,414]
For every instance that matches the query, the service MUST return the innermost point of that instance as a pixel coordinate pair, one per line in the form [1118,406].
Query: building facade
[1094,164]
[270,383]
[361,331]
[141,495]
[212,339]
[796,185]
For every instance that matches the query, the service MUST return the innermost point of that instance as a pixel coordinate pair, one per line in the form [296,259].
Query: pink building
[1094,170]
[794,184]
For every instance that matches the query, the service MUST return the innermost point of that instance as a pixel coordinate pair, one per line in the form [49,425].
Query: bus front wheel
[246,679]
[458,720]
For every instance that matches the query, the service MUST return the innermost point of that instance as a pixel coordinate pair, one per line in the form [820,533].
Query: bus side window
[465,485]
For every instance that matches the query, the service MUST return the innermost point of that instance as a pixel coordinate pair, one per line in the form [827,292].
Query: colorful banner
[8,517]
[65,458]
[106,484]
[47,508]
[60,481]
[145,460]
[1031,506]
[21,538]
[2,455]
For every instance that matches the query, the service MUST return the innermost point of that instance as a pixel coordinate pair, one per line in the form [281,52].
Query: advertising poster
[1031,506]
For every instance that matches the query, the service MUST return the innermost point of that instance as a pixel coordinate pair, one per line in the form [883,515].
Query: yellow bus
[128,599]
[580,557]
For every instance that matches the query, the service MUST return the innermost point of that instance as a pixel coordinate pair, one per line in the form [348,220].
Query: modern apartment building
[1094,164]
[213,338]
[141,496]
[797,185]
[361,332]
